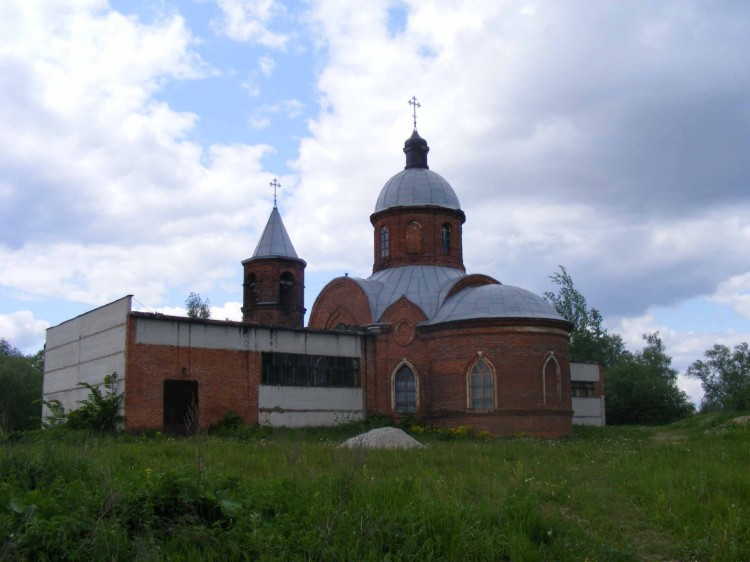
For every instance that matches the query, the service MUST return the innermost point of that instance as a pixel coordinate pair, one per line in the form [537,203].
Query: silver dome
[416,187]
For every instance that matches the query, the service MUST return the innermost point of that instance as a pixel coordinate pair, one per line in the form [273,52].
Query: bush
[98,412]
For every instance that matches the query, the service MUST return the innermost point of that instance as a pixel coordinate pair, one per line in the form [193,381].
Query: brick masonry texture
[418,246]
[227,380]
[263,305]
[443,356]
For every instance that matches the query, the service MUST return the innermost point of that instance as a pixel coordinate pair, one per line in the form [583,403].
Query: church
[420,337]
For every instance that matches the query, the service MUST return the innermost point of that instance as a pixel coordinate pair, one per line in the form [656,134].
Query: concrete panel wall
[588,411]
[584,372]
[85,349]
[292,406]
[183,333]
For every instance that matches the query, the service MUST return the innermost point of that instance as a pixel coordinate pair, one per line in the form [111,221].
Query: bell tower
[274,278]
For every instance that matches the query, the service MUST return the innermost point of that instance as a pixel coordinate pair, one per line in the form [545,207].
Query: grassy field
[680,492]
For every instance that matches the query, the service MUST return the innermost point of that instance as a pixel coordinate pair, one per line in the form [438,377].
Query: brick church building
[419,337]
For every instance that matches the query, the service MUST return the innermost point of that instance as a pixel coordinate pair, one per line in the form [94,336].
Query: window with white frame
[384,242]
[405,390]
[481,386]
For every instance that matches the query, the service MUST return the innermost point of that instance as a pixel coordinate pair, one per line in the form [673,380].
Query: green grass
[678,492]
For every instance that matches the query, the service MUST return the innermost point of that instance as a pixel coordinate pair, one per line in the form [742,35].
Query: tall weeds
[605,494]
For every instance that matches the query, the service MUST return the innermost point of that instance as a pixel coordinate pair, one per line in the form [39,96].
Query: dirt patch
[742,420]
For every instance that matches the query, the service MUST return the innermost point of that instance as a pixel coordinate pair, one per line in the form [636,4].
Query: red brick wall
[342,301]
[442,359]
[443,355]
[267,275]
[227,380]
[429,247]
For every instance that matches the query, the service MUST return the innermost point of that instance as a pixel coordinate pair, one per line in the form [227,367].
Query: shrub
[98,412]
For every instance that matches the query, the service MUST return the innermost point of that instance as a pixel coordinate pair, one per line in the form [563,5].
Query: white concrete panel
[65,333]
[94,371]
[174,331]
[85,349]
[307,419]
[309,398]
[584,371]
[588,411]
[101,344]
[105,317]
[63,379]
[587,407]
[62,356]
[68,398]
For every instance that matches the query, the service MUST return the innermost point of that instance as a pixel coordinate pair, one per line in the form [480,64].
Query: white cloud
[266,65]
[23,331]
[291,108]
[567,140]
[228,311]
[248,20]
[735,292]
[116,199]
[614,144]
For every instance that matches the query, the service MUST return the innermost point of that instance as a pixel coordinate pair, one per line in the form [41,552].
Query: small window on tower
[446,239]
[286,286]
[251,298]
[384,242]
[414,237]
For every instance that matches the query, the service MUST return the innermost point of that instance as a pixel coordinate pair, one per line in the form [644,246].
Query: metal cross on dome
[275,186]
[415,104]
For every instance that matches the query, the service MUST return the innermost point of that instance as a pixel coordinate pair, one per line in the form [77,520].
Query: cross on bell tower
[276,185]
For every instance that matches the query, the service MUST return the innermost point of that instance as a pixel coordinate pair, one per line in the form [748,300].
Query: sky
[138,139]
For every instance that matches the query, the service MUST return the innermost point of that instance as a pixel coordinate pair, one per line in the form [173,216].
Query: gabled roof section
[431,289]
[421,284]
[275,242]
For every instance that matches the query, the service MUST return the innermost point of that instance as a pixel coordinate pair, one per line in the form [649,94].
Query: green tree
[197,307]
[20,389]
[725,378]
[589,341]
[642,388]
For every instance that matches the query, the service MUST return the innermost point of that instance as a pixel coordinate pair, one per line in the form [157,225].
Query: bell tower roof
[275,241]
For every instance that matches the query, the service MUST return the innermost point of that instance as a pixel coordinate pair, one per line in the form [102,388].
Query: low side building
[178,374]
[587,392]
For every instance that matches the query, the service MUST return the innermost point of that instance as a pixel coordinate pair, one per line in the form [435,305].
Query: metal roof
[275,242]
[426,287]
[417,187]
[421,284]
[494,301]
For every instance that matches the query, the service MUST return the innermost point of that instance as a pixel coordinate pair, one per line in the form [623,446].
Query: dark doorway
[180,406]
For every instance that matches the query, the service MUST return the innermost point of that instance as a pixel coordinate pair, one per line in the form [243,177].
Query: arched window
[286,290]
[405,390]
[551,379]
[384,242]
[481,386]
[446,238]
[414,238]
[251,298]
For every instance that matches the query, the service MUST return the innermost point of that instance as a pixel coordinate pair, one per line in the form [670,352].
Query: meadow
[677,492]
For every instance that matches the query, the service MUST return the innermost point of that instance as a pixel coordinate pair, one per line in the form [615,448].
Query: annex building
[419,337]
